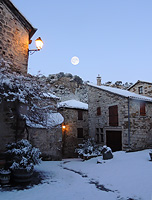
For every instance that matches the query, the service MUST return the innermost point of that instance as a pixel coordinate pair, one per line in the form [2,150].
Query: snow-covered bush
[89,148]
[23,155]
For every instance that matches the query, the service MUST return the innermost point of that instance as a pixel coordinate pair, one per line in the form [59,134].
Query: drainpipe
[129,122]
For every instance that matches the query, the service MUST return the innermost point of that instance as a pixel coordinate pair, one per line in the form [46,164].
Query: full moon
[75,60]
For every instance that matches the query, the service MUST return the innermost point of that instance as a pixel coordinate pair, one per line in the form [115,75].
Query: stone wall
[147,88]
[14,40]
[70,139]
[49,141]
[140,126]
[12,127]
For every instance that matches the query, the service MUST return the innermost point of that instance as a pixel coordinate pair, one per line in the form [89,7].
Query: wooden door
[114,140]
[113,115]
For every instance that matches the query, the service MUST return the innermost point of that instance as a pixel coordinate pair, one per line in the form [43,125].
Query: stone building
[75,126]
[119,118]
[142,87]
[15,34]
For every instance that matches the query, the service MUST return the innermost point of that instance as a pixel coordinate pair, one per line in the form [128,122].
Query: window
[101,130]
[99,111]
[99,135]
[113,116]
[97,138]
[80,115]
[142,109]
[102,140]
[80,132]
[140,90]
[97,130]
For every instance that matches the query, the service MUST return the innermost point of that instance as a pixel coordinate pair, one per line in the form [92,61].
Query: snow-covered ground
[128,176]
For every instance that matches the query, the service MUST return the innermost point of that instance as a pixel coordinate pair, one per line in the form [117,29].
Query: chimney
[99,80]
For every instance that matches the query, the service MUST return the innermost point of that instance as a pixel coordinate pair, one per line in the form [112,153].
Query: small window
[142,109]
[102,140]
[97,130]
[80,115]
[99,111]
[101,130]
[80,132]
[140,90]
[97,138]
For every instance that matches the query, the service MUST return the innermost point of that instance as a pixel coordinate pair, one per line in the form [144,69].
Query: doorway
[114,140]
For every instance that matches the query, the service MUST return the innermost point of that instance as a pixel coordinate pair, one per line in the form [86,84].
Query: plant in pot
[24,157]
[5,176]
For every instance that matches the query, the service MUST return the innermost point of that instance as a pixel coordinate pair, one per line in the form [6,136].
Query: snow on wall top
[73,104]
[50,95]
[122,92]
[53,119]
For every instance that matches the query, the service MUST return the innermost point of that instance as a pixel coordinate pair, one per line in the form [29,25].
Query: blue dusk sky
[112,38]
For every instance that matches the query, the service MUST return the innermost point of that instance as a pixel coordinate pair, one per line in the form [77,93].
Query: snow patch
[73,104]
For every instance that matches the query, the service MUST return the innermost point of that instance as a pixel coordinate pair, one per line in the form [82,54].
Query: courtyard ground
[128,176]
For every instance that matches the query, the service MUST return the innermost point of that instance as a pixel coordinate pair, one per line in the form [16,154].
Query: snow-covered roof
[139,82]
[73,104]
[122,92]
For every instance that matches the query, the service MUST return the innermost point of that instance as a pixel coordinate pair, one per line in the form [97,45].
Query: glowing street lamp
[39,45]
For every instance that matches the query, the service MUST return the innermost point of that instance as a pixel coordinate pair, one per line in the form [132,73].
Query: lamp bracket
[32,51]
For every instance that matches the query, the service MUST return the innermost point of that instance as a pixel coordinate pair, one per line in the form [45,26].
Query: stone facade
[15,33]
[135,130]
[12,126]
[142,87]
[73,125]
[49,141]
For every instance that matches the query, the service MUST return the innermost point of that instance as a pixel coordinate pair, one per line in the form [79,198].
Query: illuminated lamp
[39,45]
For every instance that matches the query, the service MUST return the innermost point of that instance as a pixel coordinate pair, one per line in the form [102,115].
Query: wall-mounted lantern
[63,126]
[39,45]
